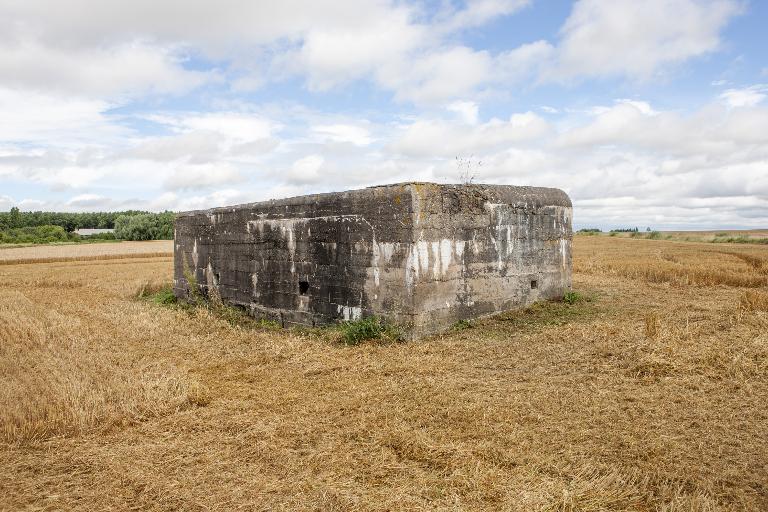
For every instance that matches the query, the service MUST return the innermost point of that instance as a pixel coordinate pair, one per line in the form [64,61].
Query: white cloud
[332,56]
[352,134]
[57,120]
[712,133]
[94,201]
[711,163]
[228,196]
[145,47]
[746,97]
[625,163]
[306,170]
[524,61]
[126,68]
[195,146]
[6,202]
[67,83]
[204,137]
[643,106]
[436,137]
[479,12]
[191,177]
[637,39]
[31,204]
[439,75]
[466,110]
[235,126]
[215,27]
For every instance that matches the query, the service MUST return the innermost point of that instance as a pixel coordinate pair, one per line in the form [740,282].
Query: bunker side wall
[305,260]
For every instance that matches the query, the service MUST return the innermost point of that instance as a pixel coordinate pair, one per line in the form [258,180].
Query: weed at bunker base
[572,297]
[462,325]
[368,328]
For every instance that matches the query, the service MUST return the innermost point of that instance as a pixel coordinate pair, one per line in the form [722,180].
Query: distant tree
[145,226]
[68,221]
[36,235]
[15,218]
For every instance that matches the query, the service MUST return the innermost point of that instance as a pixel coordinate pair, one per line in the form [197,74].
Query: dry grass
[676,263]
[756,236]
[84,252]
[651,396]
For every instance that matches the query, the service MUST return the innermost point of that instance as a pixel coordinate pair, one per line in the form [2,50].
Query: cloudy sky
[648,113]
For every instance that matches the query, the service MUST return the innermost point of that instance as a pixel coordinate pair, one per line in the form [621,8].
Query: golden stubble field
[651,396]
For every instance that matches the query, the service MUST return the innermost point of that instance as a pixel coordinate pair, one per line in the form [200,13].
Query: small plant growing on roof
[468,169]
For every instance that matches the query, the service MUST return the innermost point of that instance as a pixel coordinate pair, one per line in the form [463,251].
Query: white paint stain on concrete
[436,270]
[563,253]
[387,249]
[422,251]
[460,250]
[475,246]
[443,253]
[381,256]
[210,276]
[446,254]
[195,255]
[349,312]
[287,229]
[411,268]
[499,261]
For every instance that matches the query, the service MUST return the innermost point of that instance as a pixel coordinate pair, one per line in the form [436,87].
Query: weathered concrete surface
[421,255]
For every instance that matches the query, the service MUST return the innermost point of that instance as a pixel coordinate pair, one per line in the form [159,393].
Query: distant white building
[87,231]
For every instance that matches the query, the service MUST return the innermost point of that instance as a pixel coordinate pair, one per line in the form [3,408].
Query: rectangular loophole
[534,284]
[303,287]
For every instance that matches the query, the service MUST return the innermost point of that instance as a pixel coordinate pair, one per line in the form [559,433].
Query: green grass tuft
[164,296]
[368,328]
[572,297]
[741,239]
[461,325]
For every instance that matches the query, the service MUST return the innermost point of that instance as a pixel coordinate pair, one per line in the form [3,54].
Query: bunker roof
[507,194]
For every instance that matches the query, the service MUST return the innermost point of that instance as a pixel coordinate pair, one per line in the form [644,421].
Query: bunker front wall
[304,260]
[479,250]
[421,255]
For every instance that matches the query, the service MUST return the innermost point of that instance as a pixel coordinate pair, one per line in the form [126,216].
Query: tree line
[44,227]
[69,221]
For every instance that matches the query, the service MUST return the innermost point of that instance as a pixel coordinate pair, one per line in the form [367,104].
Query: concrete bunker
[421,255]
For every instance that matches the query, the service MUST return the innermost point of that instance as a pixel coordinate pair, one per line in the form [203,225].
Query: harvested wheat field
[651,395]
[81,252]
